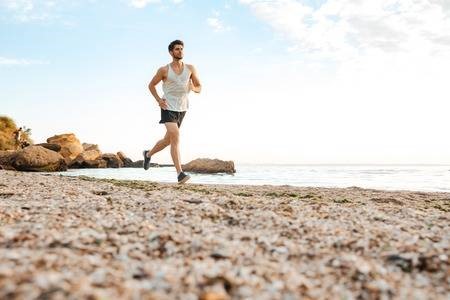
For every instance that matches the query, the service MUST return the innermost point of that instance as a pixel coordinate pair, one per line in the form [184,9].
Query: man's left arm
[195,84]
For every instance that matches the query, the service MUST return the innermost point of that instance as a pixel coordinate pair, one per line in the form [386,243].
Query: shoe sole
[184,179]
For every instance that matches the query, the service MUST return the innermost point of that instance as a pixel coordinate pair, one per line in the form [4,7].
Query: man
[178,79]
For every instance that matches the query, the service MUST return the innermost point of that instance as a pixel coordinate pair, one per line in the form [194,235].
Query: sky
[284,81]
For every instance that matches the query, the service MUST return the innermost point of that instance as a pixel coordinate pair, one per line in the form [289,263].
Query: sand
[64,237]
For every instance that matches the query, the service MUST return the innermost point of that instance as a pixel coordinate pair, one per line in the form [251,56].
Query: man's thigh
[172,128]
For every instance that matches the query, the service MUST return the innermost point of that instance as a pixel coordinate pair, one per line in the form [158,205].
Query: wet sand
[64,237]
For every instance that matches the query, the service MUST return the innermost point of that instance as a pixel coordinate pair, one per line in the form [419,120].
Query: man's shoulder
[191,67]
[163,68]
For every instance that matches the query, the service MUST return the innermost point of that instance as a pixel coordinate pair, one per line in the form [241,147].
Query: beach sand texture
[83,238]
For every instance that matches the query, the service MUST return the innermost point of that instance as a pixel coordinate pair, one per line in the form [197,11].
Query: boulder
[140,164]
[70,145]
[206,165]
[127,162]
[53,147]
[38,159]
[88,164]
[112,160]
[6,159]
[88,159]
[89,155]
[137,164]
[88,147]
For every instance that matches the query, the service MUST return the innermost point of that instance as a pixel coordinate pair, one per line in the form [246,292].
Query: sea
[428,178]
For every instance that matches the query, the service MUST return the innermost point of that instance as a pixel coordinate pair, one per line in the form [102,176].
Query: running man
[178,80]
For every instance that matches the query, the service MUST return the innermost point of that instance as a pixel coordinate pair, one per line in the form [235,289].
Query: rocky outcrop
[88,164]
[38,159]
[206,165]
[89,155]
[127,162]
[70,145]
[88,147]
[6,159]
[112,160]
[53,147]
[88,159]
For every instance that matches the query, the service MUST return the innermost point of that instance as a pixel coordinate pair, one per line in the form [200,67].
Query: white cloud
[143,3]
[216,23]
[32,10]
[4,61]
[343,29]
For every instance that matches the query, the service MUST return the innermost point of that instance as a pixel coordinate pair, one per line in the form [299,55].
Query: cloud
[4,61]
[32,10]
[343,29]
[143,3]
[216,23]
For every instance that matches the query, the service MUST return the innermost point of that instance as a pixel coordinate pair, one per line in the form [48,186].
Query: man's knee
[166,140]
[174,137]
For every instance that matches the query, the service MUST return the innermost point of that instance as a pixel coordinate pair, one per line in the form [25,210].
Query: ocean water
[388,177]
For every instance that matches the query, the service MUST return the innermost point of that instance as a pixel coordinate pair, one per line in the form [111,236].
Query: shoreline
[104,238]
[229,178]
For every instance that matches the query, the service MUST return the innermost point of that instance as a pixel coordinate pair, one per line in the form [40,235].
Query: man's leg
[174,135]
[160,145]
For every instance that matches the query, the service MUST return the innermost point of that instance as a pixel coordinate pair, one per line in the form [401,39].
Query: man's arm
[152,87]
[195,84]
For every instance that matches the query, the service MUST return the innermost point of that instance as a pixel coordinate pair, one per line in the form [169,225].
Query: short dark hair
[176,42]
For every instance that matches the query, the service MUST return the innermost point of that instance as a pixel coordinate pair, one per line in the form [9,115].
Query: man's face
[177,52]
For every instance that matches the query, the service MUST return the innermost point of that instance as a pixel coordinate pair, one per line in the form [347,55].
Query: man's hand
[163,104]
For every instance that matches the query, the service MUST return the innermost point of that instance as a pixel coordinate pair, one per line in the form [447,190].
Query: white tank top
[176,89]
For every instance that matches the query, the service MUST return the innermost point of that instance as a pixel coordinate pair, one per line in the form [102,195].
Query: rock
[98,163]
[39,159]
[70,145]
[213,296]
[89,155]
[88,159]
[140,163]
[112,160]
[206,165]
[137,164]
[127,162]
[88,147]
[6,159]
[53,147]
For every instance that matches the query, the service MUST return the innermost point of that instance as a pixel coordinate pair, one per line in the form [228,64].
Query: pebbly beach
[83,238]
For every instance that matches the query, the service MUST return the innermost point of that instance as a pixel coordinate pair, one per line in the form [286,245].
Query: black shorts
[172,116]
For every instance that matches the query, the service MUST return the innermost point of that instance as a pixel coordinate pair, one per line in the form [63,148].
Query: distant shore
[82,237]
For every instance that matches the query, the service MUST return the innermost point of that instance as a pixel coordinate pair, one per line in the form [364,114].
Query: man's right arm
[152,87]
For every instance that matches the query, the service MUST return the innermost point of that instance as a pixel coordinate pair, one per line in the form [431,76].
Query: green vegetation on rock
[7,129]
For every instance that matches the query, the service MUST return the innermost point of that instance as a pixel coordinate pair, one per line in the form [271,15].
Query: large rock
[53,147]
[88,159]
[70,145]
[6,159]
[127,162]
[89,164]
[89,155]
[38,159]
[140,164]
[88,147]
[206,165]
[112,160]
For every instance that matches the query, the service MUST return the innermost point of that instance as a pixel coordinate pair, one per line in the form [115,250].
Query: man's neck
[177,62]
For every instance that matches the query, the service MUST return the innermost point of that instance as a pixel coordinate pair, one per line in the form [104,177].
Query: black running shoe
[146,160]
[182,177]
